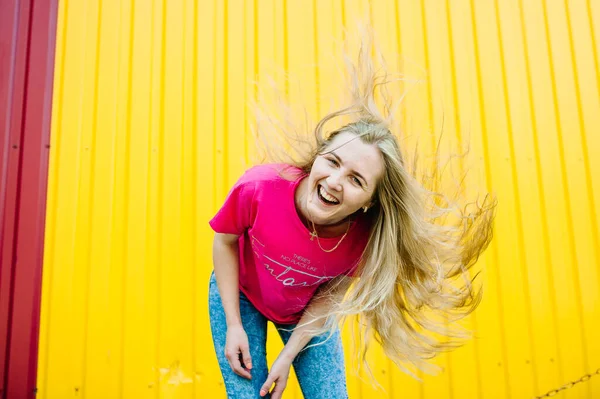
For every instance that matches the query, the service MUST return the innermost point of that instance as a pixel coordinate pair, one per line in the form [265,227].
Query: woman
[347,230]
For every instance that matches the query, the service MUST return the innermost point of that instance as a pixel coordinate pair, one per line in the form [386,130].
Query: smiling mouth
[326,198]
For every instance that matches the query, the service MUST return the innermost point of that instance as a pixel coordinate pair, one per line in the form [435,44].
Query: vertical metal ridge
[427,68]
[215,113]
[182,225]
[540,189]
[113,223]
[344,22]
[371,19]
[565,183]
[398,29]
[286,56]
[476,349]
[182,133]
[486,150]
[184,57]
[256,56]
[256,61]
[245,83]
[126,199]
[477,354]
[160,176]
[194,232]
[456,106]
[316,55]
[457,127]
[516,196]
[420,373]
[225,94]
[149,248]
[400,67]
[454,81]
[594,48]
[51,212]
[92,162]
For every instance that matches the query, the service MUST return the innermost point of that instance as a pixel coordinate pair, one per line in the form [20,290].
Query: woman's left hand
[278,375]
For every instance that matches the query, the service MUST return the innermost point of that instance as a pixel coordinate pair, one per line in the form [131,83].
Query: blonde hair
[413,279]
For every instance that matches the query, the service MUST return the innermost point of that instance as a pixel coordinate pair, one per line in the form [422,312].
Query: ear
[367,206]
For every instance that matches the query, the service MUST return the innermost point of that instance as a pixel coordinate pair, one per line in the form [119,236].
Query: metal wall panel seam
[160,183]
[194,144]
[489,183]
[459,143]
[215,195]
[588,4]
[126,184]
[517,198]
[90,194]
[51,213]
[540,189]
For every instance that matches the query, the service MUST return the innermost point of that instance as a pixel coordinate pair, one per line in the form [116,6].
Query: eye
[356,181]
[333,161]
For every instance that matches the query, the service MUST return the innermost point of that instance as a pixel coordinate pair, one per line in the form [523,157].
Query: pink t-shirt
[280,266]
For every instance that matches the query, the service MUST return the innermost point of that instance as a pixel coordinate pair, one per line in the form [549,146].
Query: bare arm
[226,260]
[320,305]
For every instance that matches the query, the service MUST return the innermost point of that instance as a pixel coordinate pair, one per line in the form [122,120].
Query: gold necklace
[314,234]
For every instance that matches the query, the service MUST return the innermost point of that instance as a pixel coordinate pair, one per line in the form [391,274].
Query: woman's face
[343,181]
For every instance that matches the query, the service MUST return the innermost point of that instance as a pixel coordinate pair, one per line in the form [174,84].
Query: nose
[333,181]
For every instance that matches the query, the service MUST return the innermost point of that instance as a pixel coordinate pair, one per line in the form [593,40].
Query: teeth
[325,195]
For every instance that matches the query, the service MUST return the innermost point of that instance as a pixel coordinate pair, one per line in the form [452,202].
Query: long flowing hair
[413,283]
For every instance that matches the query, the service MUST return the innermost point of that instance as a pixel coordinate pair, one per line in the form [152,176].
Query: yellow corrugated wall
[150,129]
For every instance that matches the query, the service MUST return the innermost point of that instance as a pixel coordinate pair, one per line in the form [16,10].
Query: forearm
[311,320]
[226,266]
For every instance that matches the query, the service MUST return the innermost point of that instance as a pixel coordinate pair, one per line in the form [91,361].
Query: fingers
[246,358]
[267,385]
[236,365]
[277,392]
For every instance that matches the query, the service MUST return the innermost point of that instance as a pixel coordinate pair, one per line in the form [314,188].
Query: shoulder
[266,174]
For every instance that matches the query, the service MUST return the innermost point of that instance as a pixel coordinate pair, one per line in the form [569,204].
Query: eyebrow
[353,171]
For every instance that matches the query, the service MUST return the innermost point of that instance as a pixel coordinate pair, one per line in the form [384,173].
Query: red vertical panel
[11,99]
[27,38]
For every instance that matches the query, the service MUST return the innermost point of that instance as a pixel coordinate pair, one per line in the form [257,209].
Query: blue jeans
[320,369]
